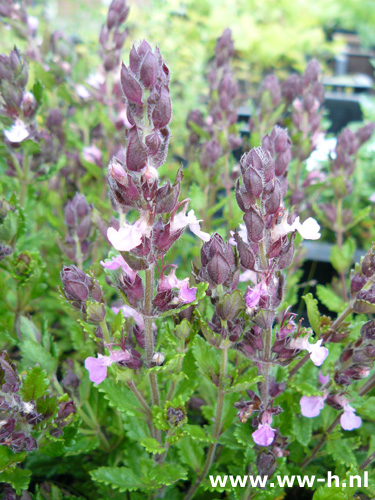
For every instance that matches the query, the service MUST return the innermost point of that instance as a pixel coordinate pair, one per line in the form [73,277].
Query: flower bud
[210,154]
[158,358]
[29,104]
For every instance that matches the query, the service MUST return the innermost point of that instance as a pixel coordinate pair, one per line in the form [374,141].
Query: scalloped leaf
[152,446]
[312,312]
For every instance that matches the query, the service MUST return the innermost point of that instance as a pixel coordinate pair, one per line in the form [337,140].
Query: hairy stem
[340,237]
[137,393]
[267,336]
[149,338]
[217,425]
[321,442]
[107,339]
[368,461]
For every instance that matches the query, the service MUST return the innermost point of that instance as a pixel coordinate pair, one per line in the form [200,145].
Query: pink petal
[264,435]
[349,420]
[311,405]
[96,368]
[318,353]
[252,296]
[117,356]
[186,294]
[125,239]
[323,379]
[129,312]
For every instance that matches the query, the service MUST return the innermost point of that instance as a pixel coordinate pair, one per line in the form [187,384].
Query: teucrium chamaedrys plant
[150,291]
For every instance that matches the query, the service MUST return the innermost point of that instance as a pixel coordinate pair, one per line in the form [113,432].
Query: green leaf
[341,259]
[34,353]
[244,382]
[121,478]
[18,478]
[7,457]
[242,433]
[302,428]
[28,330]
[9,227]
[34,384]
[327,493]
[328,297]
[305,388]
[166,474]
[362,214]
[197,433]
[152,446]
[342,450]
[191,453]
[312,312]
[119,397]
[207,358]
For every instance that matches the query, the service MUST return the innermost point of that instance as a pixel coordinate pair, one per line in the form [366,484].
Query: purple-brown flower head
[219,265]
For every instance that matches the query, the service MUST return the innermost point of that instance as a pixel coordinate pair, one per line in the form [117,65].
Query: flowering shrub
[150,328]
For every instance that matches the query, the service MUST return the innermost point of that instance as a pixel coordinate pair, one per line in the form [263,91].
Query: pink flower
[17,133]
[186,294]
[116,263]
[264,435]
[323,379]
[32,23]
[318,353]
[253,295]
[92,154]
[123,118]
[181,220]
[311,405]
[96,80]
[248,275]
[242,233]
[82,92]
[129,236]
[129,312]
[97,367]
[372,198]
[349,420]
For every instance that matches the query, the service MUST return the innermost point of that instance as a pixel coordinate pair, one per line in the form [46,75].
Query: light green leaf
[152,446]
[341,259]
[34,384]
[18,478]
[328,297]
[34,353]
[121,478]
[312,312]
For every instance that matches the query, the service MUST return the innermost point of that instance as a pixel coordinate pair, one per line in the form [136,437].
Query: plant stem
[217,425]
[228,186]
[264,392]
[149,292]
[267,341]
[368,461]
[340,235]
[137,393]
[107,339]
[321,442]
[79,255]
[149,338]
